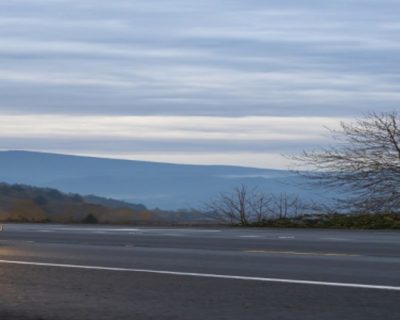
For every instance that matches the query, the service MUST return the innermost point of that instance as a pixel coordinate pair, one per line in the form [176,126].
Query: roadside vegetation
[252,208]
[335,221]
[363,166]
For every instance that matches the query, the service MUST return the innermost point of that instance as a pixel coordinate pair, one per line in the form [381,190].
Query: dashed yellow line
[304,253]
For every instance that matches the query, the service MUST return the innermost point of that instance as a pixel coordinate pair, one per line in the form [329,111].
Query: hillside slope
[22,203]
[167,186]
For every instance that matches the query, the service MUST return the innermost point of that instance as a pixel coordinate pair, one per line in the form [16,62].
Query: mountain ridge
[155,184]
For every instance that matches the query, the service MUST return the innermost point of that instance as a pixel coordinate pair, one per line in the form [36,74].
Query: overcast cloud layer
[199,63]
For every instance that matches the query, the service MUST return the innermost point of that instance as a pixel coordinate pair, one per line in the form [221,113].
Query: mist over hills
[162,185]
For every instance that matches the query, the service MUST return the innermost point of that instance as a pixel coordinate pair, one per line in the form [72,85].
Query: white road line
[304,253]
[249,236]
[88,229]
[180,230]
[335,239]
[205,275]
[122,230]
[286,237]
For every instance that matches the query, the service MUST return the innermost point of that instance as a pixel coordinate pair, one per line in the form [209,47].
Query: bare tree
[234,207]
[260,204]
[281,203]
[365,164]
[244,205]
[284,206]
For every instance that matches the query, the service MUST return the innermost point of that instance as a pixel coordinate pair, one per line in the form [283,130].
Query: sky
[193,81]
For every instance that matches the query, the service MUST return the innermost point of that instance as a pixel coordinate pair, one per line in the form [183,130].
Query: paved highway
[53,272]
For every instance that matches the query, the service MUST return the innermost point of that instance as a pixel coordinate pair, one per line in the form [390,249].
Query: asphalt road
[53,272]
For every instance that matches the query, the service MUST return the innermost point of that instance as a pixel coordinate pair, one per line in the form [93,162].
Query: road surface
[55,272]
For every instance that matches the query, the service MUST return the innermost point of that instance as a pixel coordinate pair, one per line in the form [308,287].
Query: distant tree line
[23,203]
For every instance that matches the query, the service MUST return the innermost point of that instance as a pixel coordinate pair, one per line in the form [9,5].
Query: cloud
[161,128]
[177,138]
[225,58]
[192,72]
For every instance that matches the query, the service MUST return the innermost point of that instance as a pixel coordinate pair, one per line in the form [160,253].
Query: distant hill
[115,204]
[23,203]
[156,185]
